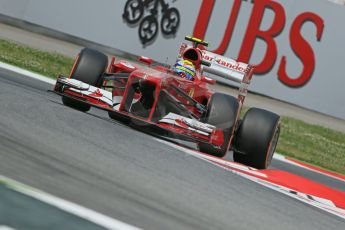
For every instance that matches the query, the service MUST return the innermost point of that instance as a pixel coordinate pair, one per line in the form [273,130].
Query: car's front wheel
[221,112]
[88,67]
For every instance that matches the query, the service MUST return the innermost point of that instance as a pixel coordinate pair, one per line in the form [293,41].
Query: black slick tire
[88,67]
[221,112]
[256,138]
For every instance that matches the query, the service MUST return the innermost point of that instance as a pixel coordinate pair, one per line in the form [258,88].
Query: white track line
[67,206]
[27,73]
[2,227]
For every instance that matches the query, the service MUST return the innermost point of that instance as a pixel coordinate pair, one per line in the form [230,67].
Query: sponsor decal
[228,63]
[146,13]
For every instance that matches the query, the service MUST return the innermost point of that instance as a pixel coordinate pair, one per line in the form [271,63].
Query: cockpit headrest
[193,55]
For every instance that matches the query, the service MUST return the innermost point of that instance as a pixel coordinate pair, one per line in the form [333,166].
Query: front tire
[256,138]
[221,112]
[88,67]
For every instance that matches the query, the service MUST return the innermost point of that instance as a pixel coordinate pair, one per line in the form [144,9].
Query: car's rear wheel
[221,112]
[256,138]
[88,67]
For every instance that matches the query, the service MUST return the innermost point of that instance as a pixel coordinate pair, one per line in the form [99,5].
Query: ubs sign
[301,47]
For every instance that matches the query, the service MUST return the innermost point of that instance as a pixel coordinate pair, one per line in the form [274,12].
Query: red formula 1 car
[153,98]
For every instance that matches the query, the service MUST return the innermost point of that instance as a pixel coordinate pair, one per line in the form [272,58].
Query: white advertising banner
[297,46]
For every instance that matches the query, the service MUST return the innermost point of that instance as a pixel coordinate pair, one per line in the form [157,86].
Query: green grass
[45,63]
[313,144]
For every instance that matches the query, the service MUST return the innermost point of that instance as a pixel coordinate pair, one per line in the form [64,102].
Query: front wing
[171,125]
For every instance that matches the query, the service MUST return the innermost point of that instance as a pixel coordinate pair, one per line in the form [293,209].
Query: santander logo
[236,66]
[243,68]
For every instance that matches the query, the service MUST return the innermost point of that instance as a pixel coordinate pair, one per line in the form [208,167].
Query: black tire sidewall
[221,112]
[254,136]
[89,67]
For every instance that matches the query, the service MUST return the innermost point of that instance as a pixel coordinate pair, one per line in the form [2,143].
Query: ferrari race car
[153,98]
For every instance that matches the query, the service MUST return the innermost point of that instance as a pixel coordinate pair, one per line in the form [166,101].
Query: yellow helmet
[185,69]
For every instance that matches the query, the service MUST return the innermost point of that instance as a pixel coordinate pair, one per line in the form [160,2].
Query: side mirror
[208,80]
[146,60]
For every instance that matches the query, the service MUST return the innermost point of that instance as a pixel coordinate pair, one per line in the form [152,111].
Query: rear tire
[256,138]
[88,67]
[221,112]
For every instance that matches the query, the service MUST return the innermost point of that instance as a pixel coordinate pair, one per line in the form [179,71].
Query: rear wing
[224,67]
[228,69]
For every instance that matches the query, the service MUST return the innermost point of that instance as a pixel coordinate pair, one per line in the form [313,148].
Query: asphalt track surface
[105,166]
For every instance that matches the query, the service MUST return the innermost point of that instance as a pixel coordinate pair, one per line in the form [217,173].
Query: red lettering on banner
[299,45]
[254,32]
[302,49]
[204,18]
[229,28]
